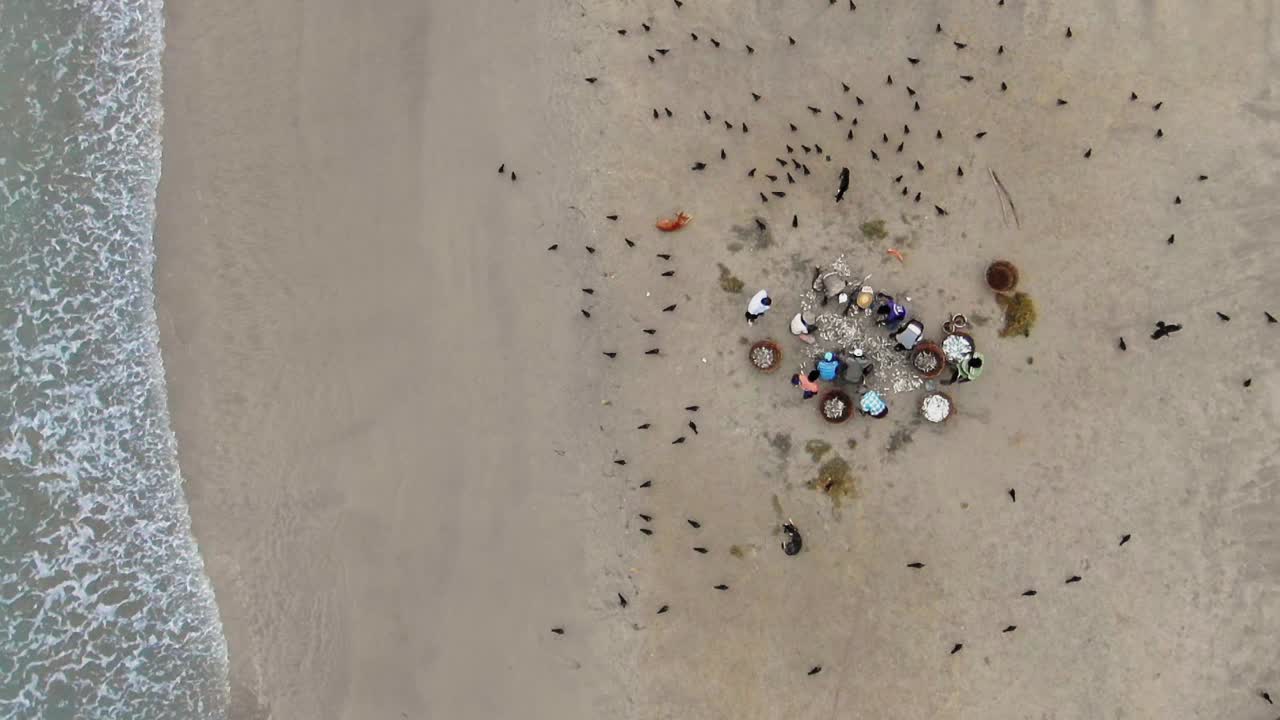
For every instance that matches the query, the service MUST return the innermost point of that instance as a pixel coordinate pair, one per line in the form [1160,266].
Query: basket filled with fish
[928,359]
[835,406]
[766,356]
[937,407]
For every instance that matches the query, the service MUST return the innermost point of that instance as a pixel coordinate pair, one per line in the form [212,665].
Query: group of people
[854,368]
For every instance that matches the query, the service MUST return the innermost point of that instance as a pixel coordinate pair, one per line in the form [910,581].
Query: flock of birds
[890,150]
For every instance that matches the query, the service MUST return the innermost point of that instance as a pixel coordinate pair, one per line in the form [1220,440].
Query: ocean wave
[105,609]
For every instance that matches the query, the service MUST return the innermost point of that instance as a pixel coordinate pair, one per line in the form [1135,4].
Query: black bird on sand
[967,78]
[553,246]
[678,441]
[723,156]
[654,351]
[941,210]
[1224,318]
[845,86]
[1003,86]
[645,426]
[590,250]
[919,166]
[792,541]
[1029,593]
[646,531]
[513,176]
[901,145]
[722,587]
[692,408]
[760,224]
[1159,133]
[706,115]
[1163,329]
[1122,345]
[700,550]
[959,45]
[663,609]
[1202,178]
[1000,50]
[1125,538]
[815,669]
[646,483]
[1073,579]
[619,462]
[1132,96]
[1169,240]
[663,51]
[664,256]
[699,166]
[502,168]
[1265,696]
[888,79]
[1068,31]
[592,80]
[1011,628]
[611,217]
[693,523]
[611,355]
[1156,107]
[938,135]
[755,97]
[750,50]
[915,565]
[622,600]
[913,61]
[874,156]
[959,171]
[916,107]
[558,630]
[938,28]
[814,110]
[844,184]
[1270,318]
[1061,102]
[911,91]
[669,273]
[917,198]
[791,40]
[667,110]
[858,99]
[957,648]
[715,42]
[1013,495]
[585,313]
[629,242]
[981,134]
[1088,153]
[694,427]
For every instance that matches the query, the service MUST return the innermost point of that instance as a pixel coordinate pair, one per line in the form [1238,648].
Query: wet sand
[398,430]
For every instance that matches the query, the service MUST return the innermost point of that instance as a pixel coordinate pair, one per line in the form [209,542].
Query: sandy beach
[408,457]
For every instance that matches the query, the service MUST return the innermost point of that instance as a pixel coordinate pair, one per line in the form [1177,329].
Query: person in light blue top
[873,405]
[828,366]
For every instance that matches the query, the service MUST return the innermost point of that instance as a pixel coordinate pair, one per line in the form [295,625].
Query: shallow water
[105,610]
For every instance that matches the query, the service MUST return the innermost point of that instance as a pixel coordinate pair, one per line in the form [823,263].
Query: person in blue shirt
[890,314]
[828,366]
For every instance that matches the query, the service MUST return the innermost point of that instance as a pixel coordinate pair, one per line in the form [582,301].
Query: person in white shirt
[802,326]
[758,305]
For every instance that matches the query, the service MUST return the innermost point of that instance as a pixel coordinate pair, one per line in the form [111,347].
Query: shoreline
[331,300]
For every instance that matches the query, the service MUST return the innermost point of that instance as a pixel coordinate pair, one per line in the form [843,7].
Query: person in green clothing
[967,370]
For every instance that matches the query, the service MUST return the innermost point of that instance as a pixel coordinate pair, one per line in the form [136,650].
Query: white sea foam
[105,610]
